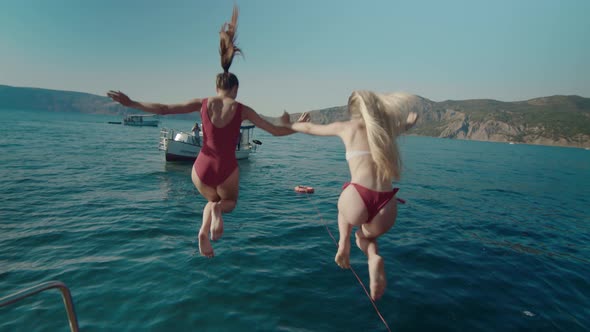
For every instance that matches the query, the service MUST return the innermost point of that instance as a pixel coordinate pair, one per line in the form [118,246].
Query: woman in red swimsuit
[215,172]
[373,158]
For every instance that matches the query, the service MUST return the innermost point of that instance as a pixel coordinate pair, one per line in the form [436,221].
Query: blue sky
[300,55]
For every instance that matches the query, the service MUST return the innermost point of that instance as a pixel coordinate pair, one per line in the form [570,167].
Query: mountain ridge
[560,120]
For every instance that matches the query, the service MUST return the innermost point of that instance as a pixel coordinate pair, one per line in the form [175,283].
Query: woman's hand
[411,120]
[286,119]
[304,117]
[120,97]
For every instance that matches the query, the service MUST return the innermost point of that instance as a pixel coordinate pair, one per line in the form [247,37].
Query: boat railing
[245,143]
[165,135]
[65,293]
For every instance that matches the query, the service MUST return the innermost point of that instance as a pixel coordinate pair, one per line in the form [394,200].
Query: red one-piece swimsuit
[217,159]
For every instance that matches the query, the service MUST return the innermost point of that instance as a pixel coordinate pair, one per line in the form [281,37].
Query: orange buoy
[304,189]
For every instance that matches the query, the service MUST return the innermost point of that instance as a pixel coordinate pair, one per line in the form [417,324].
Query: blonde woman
[215,172]
[367,201]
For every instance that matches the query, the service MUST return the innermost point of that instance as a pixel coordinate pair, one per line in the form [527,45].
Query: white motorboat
[184,146]
[141,120]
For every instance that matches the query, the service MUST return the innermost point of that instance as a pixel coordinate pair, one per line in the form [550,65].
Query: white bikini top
[356,153]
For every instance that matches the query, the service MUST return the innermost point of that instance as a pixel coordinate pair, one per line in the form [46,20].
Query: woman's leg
[343,255]
[376,270]
[205,247]
[210,194]
[351,212]
[375,262]
[228,198]
[366,240]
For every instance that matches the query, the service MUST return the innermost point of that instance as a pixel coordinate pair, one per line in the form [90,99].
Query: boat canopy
[141,115]
[247,125]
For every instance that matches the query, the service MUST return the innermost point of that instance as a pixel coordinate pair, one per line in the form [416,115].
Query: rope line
[351,268]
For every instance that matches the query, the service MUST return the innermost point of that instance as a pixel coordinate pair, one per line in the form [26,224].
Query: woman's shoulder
[354,131]
[225,103]
[244,108]
[352,124]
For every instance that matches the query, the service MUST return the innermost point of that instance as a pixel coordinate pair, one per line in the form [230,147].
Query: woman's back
[221,118]
[363,169]
[221,110]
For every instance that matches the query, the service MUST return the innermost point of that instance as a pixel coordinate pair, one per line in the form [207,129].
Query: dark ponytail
[227,51]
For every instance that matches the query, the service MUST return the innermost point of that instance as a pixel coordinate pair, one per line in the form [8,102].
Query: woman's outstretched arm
[188,107]
[258,121]
[332,129]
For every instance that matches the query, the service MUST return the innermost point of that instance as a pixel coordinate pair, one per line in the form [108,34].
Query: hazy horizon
[300,56]
[327,107]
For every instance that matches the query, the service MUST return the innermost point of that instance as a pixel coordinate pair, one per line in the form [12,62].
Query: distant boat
[184,146]
[114,122]
[141,120]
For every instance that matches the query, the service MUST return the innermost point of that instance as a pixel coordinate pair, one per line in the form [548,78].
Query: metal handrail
[65,292]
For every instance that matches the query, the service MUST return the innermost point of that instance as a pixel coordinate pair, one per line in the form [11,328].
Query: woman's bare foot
[205,247]
[216,222]
[343,255]
[377,276]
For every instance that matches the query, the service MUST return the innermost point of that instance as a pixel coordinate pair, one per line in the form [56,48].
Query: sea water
[494,237]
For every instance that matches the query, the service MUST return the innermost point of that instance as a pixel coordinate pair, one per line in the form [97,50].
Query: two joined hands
[286,119]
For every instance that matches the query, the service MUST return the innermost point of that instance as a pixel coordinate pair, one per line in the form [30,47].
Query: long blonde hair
[385,119]
[227,51]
